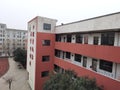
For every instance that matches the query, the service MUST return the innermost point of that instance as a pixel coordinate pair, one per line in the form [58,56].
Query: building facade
[11,39]
[90,47]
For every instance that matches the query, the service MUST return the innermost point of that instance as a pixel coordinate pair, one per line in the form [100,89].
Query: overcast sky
[16,13]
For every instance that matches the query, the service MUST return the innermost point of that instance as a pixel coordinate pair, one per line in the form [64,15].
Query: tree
[70,81]
[20,55]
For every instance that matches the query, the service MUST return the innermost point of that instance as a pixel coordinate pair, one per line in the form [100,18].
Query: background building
[11,39]
[89,47]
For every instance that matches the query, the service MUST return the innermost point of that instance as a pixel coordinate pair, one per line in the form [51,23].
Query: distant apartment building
[90,47]
[11,39]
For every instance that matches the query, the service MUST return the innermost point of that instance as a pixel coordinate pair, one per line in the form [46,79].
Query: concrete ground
[17,76]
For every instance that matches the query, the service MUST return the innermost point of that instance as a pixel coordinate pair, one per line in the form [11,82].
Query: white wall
[73,38]
[101,23]
[117,39]
[118,72]
[31,68]
[42,20]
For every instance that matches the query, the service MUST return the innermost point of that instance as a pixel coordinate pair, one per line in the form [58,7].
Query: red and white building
[90,47]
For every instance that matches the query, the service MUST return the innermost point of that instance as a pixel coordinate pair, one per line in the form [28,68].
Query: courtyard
[15,76]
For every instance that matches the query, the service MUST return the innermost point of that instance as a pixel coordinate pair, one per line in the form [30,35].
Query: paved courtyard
[18,76]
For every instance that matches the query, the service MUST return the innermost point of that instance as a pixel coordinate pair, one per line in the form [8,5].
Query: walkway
[4,66]
[18,76]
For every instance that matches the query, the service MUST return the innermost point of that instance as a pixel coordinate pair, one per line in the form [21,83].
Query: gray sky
[16,13]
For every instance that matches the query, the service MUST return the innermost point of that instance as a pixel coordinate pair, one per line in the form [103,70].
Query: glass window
[45,58]
[78,57]
[33,27]
[94,64]
[33,34]
[79,38]
[68,55]
[68,38]
[46,26]
[63,56]
[2,26]
[85,39]
[107,38]
[57,53]
[46,42]
[58,37]
[95,40]
[56,68]
[106,65]
[84,61]
[44,73]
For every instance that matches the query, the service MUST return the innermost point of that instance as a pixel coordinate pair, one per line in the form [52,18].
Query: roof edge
[89,19]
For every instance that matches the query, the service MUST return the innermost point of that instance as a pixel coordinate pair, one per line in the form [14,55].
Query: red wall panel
[40,51]
[108,83]
[110,53]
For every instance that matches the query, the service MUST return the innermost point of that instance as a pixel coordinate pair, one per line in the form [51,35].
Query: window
[33,34]
[32,49]
[29,63]
[44,73]
[79,38]
[58,37]
[2,26]
[63,56]
[33,27]
[57,53]
[45,58]
[106,65]
[85,39]
[107,38]
[56,68]
[64,39]
[46,26]
[33,41]
[68,55]
[46,43]
[84,61]
[94,65]
[77,57]
[68,38]
[96,40]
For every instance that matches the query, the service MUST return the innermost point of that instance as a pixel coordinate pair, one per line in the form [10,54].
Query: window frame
[44,74]
[69,38]
[46,42]
[46,26]
[108,38]
[45,58]
[106,65]
[95,40]
[57,53]
[68,55]
[79,38]
[84,61]
[58,38]
[78,58]
[86,39]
